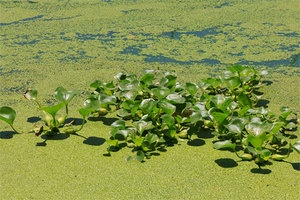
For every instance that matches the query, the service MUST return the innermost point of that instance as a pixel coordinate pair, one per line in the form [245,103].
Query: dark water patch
[26,43]
[61,52]
[131,50]
[245,46]
[294,34]
[177,35]
[40,52]
[36,57]
[289,48]
[163,59]
[10,72]
[223,4]
[63,18]
[16,89]
[22,20]
[293,61]
[128,11]
[266,23]
[236,54]
[201,51]
[98,36]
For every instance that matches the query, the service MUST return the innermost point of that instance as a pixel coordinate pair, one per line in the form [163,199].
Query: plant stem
[83,120]
[38,103]
[14,129]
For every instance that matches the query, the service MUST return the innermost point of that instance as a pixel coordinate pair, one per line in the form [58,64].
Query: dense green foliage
[158,112]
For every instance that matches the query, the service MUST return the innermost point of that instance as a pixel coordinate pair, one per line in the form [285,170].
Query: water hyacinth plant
[162,112]
[53,121]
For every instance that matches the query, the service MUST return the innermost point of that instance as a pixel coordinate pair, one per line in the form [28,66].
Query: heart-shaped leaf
[140,156]
[257,140]
[244,100]
[52,110]
[7,114]
[64,95]
[84,112]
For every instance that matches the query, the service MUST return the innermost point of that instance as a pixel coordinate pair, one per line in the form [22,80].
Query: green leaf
[224,144]
[147,105]
[85,112]
[257,140]
[113,143]
[147,79]
[236,125]
[138,141]
[265,154]
[64,95]
[151,138]
[161,92]
[244,100]
[296,146]
[128,158]
[120,124]
[52,110]
[192,88]
[168,119]
[107,100]
[196,116]
[167,107]
[286,111]
[141,126]
[31,94]
[7,114]
[256,128]
[175,98]
[171,133]
[218,100]
[96,84]
[140,156]
[219,117]
[123,113]
[232,83]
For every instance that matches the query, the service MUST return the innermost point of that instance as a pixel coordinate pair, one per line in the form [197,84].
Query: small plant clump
[157,113]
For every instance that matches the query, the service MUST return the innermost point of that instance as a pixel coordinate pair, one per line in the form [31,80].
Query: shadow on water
[226,162]
[61,136]
[94,141]
[260,171]
[177,35]
[33,119]
[262,103]
[7,134]
[106,121]
[75,121]
[196,142]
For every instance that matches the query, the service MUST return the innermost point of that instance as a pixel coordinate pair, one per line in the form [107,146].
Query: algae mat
[46,44]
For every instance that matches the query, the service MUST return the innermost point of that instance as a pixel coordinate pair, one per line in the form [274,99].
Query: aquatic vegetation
[156,112]
[164,111]
[53,121]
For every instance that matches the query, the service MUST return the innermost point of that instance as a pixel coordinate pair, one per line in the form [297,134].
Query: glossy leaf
[141,126]
[175,98]
[236,125]
[244,100]
[52,110]
[85,112]
[147,105]
[233,82]
[31,94]
[257,140]
[120,124]
[105,99]
[7,114]
[196,116]
[161,92]
[64,95]
[167,107]
[192,88]
[224,144]
[296,146]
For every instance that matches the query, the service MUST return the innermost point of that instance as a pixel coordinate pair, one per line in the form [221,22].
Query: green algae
[71,45]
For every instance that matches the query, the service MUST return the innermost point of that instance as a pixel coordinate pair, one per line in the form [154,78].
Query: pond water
[210,34]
